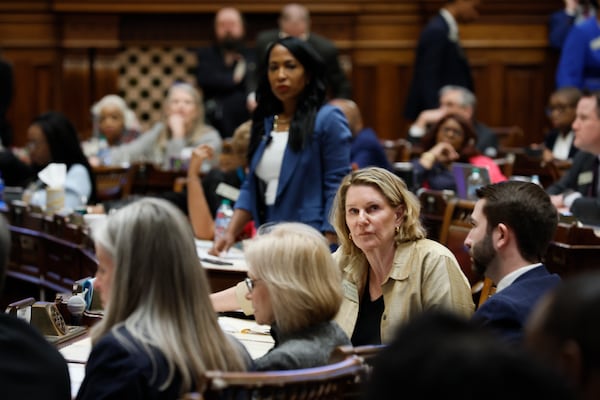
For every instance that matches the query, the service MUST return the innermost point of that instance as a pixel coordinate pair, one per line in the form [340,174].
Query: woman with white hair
[159,332]
[114,124]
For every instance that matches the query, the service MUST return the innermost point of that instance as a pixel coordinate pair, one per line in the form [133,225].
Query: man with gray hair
[456,100]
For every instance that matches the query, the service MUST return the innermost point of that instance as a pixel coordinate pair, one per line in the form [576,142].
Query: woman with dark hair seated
[451,139]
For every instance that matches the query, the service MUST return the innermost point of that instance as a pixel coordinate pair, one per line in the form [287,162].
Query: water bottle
[536,179]
[474,182]
[2,203]
[224,214]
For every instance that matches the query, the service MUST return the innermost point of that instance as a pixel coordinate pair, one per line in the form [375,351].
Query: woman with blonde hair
[391,271]
[182,129]
[295,286]
[159,332]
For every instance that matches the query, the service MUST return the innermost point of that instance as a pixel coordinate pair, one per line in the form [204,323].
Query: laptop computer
[461,172]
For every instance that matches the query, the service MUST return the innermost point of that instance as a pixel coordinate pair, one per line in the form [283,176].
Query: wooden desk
[223,272]
[573,250]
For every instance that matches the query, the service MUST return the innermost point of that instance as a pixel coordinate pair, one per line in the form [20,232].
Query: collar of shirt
[452,25]
[510,278]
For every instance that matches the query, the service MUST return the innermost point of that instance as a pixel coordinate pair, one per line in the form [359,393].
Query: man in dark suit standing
[513,223]
[295,21]
[30,367]
[577,191]
[223,74]
[440,59]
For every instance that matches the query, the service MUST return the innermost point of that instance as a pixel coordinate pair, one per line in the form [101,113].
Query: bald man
[295,21]
[366,148]
[224,73]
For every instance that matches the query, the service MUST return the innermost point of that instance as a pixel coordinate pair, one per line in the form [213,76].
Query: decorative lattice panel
[145,74]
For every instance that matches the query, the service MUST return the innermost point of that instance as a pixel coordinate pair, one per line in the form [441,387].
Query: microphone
[76,306]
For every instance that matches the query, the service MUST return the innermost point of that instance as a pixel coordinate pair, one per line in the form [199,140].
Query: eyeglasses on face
[251,283]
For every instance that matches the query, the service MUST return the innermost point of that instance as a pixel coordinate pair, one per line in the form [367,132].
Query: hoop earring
[397,230]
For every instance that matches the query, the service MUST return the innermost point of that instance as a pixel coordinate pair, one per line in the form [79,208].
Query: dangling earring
[350,236]
[397,230]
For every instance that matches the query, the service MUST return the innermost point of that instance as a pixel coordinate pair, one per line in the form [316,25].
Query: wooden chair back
[488,289]
[398,150]
[509,136]
[573,250]
[433,210]
[335,381]
[113,183]
[455,228]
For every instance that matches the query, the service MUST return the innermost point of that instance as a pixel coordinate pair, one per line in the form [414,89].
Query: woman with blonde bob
[295,286]
[159,332]
[391,272]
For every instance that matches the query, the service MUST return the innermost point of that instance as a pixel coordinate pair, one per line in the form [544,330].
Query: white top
[562,146]
[269,166]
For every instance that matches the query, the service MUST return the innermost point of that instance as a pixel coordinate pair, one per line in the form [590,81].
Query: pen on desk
[215,261]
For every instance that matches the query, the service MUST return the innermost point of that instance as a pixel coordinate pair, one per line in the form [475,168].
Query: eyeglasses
[559,108]
[251,283]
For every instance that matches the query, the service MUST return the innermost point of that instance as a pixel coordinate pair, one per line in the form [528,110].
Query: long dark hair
[309,101]
[64,144]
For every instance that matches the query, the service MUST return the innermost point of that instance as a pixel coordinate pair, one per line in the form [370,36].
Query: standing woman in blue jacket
[299,146]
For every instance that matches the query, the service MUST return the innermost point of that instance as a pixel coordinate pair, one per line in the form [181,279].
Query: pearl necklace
[278,120]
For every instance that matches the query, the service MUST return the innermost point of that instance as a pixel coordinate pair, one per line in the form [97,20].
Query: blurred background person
[296,287]
[455,100]
[440,59]
[299,147]
[52,138]
[579,63]
[205,193]
[366,150]
[171,140]
[114,124]
[450,140]
[159,333]
[561,21]
[294,20]
[559,141]
[223,73]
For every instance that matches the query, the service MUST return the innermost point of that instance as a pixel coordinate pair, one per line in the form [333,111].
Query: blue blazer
[439,61]
[506,312]
[367,150]
[309,179]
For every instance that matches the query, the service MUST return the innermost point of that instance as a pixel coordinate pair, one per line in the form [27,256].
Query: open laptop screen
[462,171]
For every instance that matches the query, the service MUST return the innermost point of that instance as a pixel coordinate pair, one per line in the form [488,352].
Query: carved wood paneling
[64,50]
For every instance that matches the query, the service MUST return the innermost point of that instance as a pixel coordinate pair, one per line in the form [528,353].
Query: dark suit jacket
[439,61]
[30,367]
[506,312]
[308,179]
[338,82]
[550,139]
[224,100]
[367,150]
[577,178]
